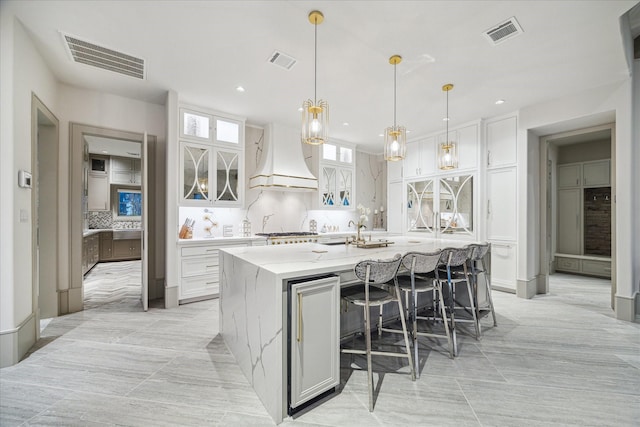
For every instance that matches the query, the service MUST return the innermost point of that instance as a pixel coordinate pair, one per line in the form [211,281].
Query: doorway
[44,199]
[579,213]
[108,191]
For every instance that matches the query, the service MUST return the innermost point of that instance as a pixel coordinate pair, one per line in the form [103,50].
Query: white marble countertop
[199,240]
[305,259]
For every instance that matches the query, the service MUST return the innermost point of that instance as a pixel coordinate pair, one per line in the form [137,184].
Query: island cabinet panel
[314,336]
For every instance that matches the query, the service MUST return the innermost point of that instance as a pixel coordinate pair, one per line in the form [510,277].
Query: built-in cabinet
[583,236]
[125,170]
[336,175]
[315,338]
[199,267]
[98,192]
[211,160]
[127,249]
[501,207]
[101,246]
[90,252]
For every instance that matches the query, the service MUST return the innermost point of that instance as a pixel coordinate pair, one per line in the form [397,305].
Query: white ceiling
[204,49]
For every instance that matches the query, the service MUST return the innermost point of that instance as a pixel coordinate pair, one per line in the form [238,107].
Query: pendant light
[315,114]
[395,137]
[447,150]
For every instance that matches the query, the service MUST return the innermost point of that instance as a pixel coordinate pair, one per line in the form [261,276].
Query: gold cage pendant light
[315,114]
[395,137]
[447,150]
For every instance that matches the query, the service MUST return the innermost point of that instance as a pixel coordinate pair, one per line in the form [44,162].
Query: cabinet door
[427,156]
[569,176]
[195,160]
[569,220]
[98,192]
[315,338]
[421,208]
[106,249]
[328,179]
[395,207]
[344,188]
[195,125]
[227,176]
[468,147]
[228,131]
[504,266]
[596,173]
[502,142]
[501,204]
[394,171]
[412,160]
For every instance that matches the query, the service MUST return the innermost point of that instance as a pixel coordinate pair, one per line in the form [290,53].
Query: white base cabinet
[315,338]
[199,265]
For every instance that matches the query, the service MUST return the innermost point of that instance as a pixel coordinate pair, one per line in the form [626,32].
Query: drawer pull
[212,283]
[209,266]
[299,317]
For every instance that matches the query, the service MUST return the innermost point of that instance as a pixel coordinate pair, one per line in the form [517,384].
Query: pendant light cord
[447,141]
[315,62]
[394,96]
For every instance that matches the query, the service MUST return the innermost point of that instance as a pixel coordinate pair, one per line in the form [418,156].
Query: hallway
[557,359]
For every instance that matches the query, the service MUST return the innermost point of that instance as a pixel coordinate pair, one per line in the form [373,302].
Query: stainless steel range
[290,237]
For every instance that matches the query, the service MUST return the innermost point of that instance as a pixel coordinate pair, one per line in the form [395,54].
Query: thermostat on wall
[24,179]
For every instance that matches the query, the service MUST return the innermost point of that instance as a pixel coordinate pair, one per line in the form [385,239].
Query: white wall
[114,112]
[23,72]
[593,103]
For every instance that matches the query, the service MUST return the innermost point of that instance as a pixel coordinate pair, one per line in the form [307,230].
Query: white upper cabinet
[502,142]
[125,170]
[467,139]
[336,170]
[211,159]
[421,158]
[569,175]
[596,173]
[502,192]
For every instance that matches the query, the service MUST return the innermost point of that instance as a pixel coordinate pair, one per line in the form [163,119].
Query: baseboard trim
[170,296]
[527,288]
[14,343]
[627,308]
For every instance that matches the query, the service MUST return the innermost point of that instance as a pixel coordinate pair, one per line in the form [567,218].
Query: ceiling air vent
[503,31]
[101,57]
[282,60]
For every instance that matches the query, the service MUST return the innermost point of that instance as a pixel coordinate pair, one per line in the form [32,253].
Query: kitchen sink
[332,243]
[128,234]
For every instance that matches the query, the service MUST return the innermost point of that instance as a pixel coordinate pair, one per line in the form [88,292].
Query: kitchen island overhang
[254,302]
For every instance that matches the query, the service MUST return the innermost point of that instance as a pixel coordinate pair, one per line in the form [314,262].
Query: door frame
[549,218]
[41,115]
[75,293]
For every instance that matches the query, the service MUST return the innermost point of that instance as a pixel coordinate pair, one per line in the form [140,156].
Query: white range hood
[282,165]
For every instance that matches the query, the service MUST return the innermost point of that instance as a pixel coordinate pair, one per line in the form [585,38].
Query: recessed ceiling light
[500,101]
[382,134]
[345,124]
[299,108]
[408,131]
[446,119]
[239,88]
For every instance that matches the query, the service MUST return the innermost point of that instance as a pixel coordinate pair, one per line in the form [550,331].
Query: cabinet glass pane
[329,151]
[227,131]
[344,188]
[196,173]
[456,204]
[328,186]
[227,176]
[195,125]
[346,155]
[420,203]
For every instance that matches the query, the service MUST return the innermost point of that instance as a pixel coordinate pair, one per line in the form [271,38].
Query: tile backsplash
[104,219]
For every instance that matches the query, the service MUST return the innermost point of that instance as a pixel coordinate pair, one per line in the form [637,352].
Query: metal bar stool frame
[368,272]
[477,257]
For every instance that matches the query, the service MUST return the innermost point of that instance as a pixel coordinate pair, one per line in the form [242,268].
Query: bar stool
[423,277]
[369,293]
[454,269]
[477,266]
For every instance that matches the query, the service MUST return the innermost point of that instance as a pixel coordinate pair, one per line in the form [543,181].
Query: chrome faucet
[351,222]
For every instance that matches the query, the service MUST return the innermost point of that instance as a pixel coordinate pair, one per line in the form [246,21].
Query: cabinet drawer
[199,286]
[194,266]
[347,277]
[200,250]
[567,264]
[598,268]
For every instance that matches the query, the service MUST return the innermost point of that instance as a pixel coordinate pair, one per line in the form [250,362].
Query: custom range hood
[282,165]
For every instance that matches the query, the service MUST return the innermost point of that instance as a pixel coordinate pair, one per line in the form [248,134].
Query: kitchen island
[290,354]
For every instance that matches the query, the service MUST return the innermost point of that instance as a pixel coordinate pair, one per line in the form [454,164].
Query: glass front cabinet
[337,173]
[441,206]
[211,160]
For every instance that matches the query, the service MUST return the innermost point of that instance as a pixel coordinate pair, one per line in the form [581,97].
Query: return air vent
[101,57]
[503,31]
[282,60]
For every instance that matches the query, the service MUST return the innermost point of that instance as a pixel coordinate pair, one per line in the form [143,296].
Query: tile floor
[559,359]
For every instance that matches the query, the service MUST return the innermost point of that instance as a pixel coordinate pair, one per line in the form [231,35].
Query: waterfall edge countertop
[255,302]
